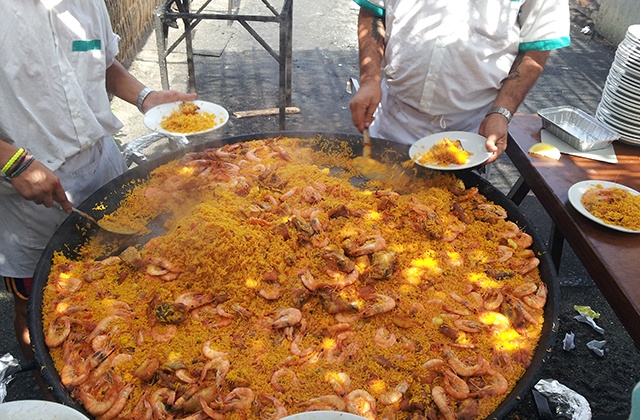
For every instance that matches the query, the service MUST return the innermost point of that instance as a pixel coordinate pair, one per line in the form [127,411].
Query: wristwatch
[502,111]
[142,96]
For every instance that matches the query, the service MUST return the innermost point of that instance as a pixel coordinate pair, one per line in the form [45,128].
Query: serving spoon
[107,225]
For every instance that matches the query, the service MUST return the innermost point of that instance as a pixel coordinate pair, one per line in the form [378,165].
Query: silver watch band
[502,111]
[142,96]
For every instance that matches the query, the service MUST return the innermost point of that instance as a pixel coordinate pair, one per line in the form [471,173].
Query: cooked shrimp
[160,400]
[66,284]
[492,299]
[118,405]
[468,325]
[524,289]
[238,399]
[362,403]
[164,333]
[100,407]
[192,300]
[461,368]
[364,246]
[394,395]
[147,369]
[455,386]
[440,399]
[287,318]
[382,305]
[384,338]
[279,374]
[340,382]
[326,402]
[279,410]
[537,300]
[222,367]
[498,386]
[58,331]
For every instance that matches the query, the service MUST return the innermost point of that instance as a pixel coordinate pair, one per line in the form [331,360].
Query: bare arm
[371,41]
[125,86]
[524,73]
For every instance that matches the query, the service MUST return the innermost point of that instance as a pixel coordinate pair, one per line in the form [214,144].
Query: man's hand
[494,128]
[364,103]
[158,97]
[40,185]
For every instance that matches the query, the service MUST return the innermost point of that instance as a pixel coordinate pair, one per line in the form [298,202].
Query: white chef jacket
[449,57]
[63,47]
[53,101]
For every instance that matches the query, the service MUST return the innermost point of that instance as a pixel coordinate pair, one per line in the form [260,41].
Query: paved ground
[235,71]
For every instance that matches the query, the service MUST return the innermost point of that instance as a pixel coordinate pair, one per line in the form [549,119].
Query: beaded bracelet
[13,159]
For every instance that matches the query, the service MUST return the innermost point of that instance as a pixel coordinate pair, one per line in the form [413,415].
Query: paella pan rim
[69,235]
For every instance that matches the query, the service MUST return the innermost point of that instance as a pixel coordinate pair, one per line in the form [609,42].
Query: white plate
[471,142]
[323,415]
[578,189]
[154,116]
[38,410]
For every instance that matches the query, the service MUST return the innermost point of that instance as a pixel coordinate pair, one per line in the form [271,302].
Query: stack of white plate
[620,104]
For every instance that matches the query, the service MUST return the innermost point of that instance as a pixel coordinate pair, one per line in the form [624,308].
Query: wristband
[142,96]
[502,111]
[13,159]
[21,168]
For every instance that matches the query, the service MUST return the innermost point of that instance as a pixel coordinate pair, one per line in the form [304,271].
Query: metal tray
[577,128]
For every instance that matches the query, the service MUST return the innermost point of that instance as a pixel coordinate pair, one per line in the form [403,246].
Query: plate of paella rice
[609,204]
[450,151]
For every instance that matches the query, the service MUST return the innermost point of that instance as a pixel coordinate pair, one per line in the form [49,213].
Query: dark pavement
[235,71]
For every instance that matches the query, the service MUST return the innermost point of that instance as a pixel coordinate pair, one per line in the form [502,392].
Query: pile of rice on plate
[614,206]
[279,287]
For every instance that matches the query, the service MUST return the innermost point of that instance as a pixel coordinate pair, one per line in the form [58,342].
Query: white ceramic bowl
[323,415]
[38,410]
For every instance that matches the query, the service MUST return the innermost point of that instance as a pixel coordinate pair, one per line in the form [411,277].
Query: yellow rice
[444,153]
[182,122]
[618,207]
[224,237]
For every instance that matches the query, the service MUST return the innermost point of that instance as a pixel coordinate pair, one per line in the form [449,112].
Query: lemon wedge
[545,150]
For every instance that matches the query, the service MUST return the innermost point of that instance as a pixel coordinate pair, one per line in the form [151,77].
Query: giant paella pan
[280,273]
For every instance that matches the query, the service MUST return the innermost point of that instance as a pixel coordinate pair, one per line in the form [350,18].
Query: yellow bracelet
[13,159]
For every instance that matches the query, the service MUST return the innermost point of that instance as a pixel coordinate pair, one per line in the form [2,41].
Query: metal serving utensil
[108,225]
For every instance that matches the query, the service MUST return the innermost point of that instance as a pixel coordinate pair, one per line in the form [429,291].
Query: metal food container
[577,128]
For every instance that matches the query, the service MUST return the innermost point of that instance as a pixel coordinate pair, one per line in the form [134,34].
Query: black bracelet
[22,168]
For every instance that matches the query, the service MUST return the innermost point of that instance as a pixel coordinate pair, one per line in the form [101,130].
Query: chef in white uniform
[56,146]
[435,65]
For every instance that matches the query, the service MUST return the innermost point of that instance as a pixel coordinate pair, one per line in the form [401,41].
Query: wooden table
[612,258]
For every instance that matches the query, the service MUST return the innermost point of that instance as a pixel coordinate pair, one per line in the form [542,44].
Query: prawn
[326,402]
[440,399]
[362,403]
[238,399]
[340,382]
[278,374]
[58,331]
[461,368]
[286,318]
[383,304]
[384,338]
